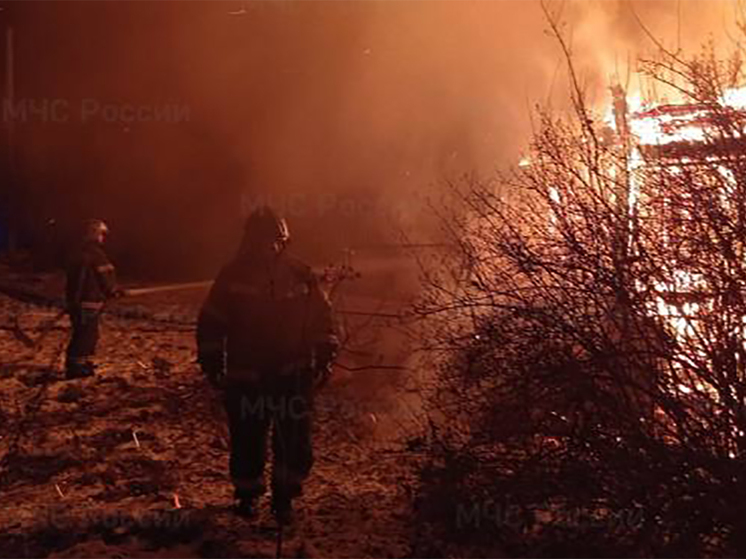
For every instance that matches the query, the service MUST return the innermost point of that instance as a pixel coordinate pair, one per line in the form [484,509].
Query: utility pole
[623,187]
[621,119]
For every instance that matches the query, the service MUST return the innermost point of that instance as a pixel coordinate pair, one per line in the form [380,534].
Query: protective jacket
[91,278]
[265,315]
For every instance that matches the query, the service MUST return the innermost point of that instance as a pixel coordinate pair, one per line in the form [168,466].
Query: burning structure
[600,331]
[685,164]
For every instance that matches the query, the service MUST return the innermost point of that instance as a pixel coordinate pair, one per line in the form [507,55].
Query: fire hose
[186,322]
[169,287]
[138,314]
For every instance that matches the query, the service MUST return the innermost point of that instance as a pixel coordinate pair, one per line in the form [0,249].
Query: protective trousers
[82,345]
[283,403]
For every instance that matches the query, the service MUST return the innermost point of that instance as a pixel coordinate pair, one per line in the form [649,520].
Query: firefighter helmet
[265,228]
[94,228]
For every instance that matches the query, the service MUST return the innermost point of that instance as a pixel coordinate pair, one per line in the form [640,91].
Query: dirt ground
[133,462]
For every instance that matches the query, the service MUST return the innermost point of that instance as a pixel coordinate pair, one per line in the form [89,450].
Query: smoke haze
[347,115]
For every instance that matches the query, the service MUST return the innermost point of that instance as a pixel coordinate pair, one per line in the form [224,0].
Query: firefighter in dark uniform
[91,281]
[266,335]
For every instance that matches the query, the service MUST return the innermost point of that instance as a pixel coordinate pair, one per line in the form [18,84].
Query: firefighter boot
[247,506]
[282,507]
[79,369]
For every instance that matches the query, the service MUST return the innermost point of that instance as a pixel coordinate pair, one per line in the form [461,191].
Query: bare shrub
[589,325]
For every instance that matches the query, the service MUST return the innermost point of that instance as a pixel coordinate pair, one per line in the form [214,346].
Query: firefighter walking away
[266,336]
[91,281]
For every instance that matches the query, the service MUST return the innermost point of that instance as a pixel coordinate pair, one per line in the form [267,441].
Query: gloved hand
[215,379]
[324,356]
[213,371]
[321,376]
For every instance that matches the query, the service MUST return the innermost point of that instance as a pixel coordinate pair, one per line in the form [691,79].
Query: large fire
[656,125]
[673,135]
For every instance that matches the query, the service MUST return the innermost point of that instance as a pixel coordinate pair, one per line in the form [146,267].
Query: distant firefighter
[91,281]
[266,335]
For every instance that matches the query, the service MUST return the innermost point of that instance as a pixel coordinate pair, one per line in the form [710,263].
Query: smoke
[612,35]
[346,115]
